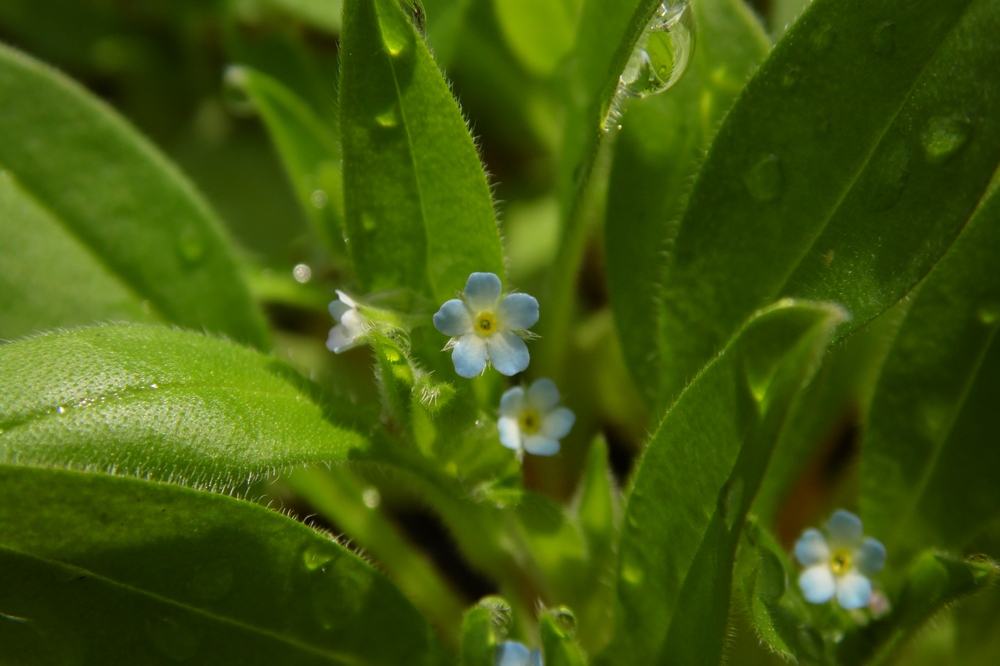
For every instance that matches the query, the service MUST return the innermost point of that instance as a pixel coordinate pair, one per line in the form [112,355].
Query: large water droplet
[313,558]
[191,246]
[339,592]
[387,119]
[396,34]
[791,77]
[663,52]
[234,92]
[371,497]
[173,637]
[989,314]
[566,621]
[302,273]
[319,199]
[368,222]
[884,38]
[944,136]
[886,179]
[764,179]
[732,502]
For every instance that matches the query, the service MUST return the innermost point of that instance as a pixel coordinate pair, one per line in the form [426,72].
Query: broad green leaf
[846,168]
[540,32]
[661,144]
[115,195]
[418,208]
[933,582]
[928,473]
[129,571]
[558,629]
[159,403]
[308,147]
[336,494]
[698,478]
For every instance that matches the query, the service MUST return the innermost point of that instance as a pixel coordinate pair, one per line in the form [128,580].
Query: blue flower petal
[453,318]
[844,529]
[518,312]
[853,590]
[543,395]
[512,402]
[811,548]
[482,291]
[510,432]
[540,445]
[512,653]
[470,355]
[508,353]
[558,423]
[817,584]
[870,557]
[535,659]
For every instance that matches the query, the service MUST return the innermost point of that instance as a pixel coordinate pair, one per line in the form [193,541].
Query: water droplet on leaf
[387,119]
[764,179]
[234,93]
[662,53]
[396,35]
[191,246]
[791,77]
[565,620]
[302,273]
[884,38]
[822,38]
[367,222]
[732,502]
[313,558]
[944,136]
[371,497]
[319,199]
[989,314]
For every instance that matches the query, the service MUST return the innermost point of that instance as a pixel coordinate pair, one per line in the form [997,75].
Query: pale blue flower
[486,326]
[532,421]
[351,328]
[841,565]
[512,653]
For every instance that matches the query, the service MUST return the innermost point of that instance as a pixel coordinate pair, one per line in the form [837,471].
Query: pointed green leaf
[159,403]
[844,171]
[928,473]
[659,149]
[696,481]
[308,147]
[418,207]
[131,217]
[134,572]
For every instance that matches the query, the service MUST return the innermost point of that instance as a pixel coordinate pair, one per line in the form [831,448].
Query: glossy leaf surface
[696,481]
[159,403]
[928,459]
[418,208]
[116,196]
[844,171]
[126,571]
[659,149]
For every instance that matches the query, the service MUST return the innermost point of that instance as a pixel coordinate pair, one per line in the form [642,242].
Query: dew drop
[387,119]
[885,180]
[234,92]
[173,637]
[302,273]
[764,179]
[371,497]
[319,199]
[396,35]
[944,136]
[791,77]
[565,620]
[884,38]
[191,246]
[662,53]
[61,410]
[935,415]
[822,38]
[313,558]
[989,314]
[367,222]
[732,502]
[632,572]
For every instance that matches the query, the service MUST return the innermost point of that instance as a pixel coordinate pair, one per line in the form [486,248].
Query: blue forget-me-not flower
[486,326]
[351,328]
[512,653]
[531,421]
[841,565]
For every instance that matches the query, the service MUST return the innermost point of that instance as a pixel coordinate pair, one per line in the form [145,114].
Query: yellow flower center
[530,422]
[840,562]
[486,323]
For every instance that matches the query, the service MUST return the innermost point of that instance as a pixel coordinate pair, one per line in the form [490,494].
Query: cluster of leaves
[799,293]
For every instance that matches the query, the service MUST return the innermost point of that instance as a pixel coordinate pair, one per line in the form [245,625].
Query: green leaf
[539,32]
[159,403]
[844,171]
[324,14]
[308,147]
[698,478]
[662,142]
[483,627]
[927,477]
[418,207]
[558,629]
[119,199]
[932,583]
[141,572]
